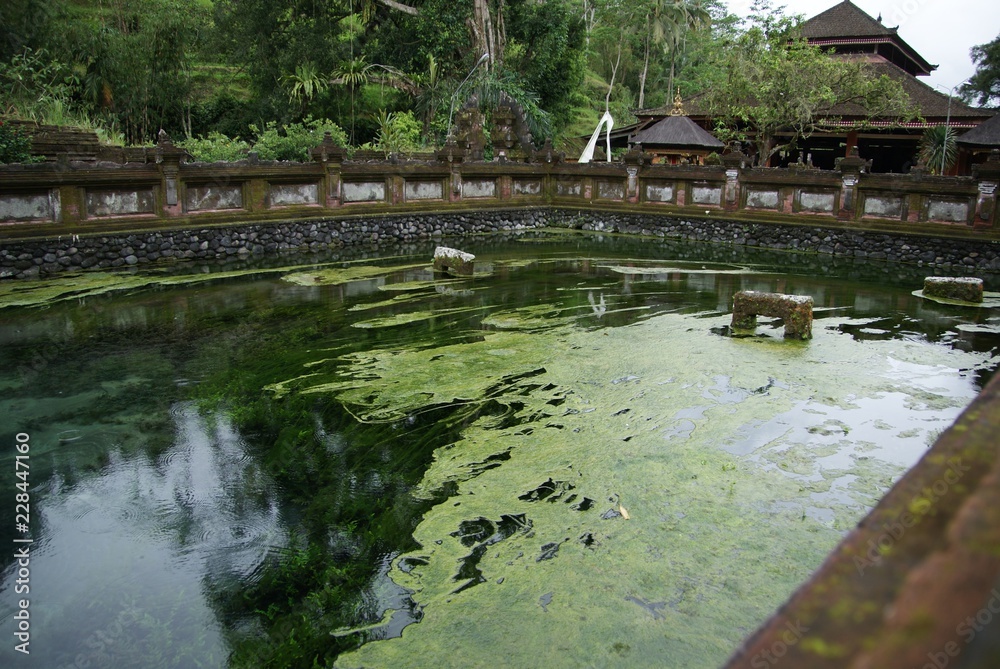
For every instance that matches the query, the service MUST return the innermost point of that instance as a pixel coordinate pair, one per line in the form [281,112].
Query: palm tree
[358,72]
[432,95]
[667,23]
[306,82]
[938,147]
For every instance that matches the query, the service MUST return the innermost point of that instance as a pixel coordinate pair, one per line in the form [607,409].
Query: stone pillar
[634,161]
[454,155]
[329,155]
[506,187]
[850,168]
[547,157]
[988,176]
[734,163]
[632,184]
[169,158]
[258,192]
[72,207]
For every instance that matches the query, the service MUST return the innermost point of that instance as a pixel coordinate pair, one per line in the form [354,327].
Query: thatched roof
[932,104]
[844,20]
[986,134]
[678,132]
[847,28]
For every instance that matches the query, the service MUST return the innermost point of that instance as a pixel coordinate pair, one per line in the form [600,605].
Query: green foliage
[216,147]
[24,24]
[272,142]
[545,47]
[937,144]
[983,87]
[399,132]
[293,141]
[493,87]
[34,82]
[775,81]
[224,113]
[135,61]
[305,82]
[15,145]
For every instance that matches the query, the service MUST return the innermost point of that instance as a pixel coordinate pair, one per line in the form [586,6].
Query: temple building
[891,146]
[676,139]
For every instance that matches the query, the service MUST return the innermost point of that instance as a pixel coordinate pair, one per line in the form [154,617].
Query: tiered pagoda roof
[850,33]
[846,28]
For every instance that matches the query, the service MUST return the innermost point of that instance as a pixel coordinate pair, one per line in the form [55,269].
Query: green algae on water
[31,293]
[637,417]
[412,317]
[339,275]
[990,300]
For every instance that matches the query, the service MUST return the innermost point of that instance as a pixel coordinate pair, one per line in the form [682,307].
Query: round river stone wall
[40,258]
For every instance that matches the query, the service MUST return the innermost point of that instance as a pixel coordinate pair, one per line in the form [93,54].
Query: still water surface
[565,460]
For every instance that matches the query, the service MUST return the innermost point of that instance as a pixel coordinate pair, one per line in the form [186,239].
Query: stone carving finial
[678,109]
[165,150]
[328,150]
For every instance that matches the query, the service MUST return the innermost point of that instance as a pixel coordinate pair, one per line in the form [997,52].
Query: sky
[942,31]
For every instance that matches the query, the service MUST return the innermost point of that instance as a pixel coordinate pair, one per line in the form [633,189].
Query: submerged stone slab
[964,288]
[794,310]
[453,260]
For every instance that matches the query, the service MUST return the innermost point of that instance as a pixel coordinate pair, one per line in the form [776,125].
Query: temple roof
[844,20]
[676,132]
[846,28]
[985,134]
[931,104]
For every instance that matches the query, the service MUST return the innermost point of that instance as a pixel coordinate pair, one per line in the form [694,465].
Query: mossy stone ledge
[794,310]
[452,260]
[966,289]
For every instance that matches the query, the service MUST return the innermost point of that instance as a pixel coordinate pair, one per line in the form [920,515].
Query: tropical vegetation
[224,77]
[983,87]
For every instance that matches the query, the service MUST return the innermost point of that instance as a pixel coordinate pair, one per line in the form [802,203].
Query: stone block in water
[964,288]
[795,310]
[454,261]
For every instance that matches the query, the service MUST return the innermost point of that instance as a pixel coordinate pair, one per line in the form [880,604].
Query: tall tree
[667,24]
[489,34]
[983,88]
[776,82]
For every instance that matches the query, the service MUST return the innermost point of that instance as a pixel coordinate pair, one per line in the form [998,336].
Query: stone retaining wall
[39,258]
[46,257]
[974,256]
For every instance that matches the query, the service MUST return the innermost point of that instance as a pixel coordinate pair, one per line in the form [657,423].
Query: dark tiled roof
[931,103]
[986,133]
[678,132]
[844,20]
[846,28]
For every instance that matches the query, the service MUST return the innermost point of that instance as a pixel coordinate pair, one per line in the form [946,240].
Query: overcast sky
[942,31]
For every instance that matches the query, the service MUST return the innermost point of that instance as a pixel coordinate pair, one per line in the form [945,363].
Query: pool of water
[564,460]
